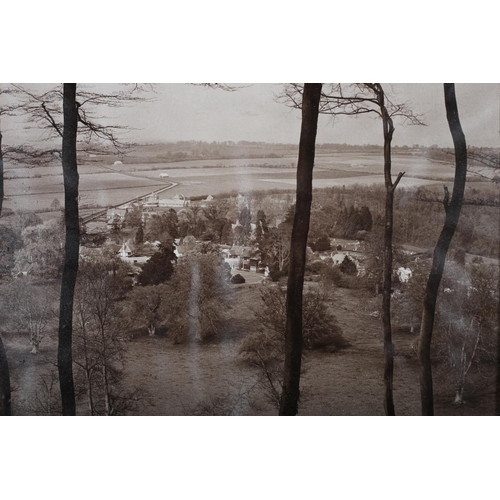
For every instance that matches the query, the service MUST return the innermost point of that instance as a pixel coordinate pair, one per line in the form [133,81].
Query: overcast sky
[184,112]
[187,112]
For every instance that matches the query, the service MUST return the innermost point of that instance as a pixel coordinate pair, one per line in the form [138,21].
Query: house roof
[126,248]
[245,252]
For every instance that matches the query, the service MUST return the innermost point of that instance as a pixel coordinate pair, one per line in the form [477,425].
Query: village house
[126,250]
[178,201]
[115,216]
[240,257]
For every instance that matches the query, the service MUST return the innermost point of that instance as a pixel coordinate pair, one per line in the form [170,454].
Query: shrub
[320,327]
[276,274]
[315,267]
[266,347]
[331,276]
[237,279]
[322,244]
[348,266]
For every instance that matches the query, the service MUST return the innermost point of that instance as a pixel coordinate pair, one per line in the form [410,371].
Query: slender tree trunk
[497,398]
[390,187]
[107,403]
[386,296]
[88,371]
[2,192]
[70,270]
[5,401]
[452,209]
[5,396]
[293,331]
[90,397]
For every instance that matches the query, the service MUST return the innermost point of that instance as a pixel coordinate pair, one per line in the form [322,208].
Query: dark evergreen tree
[348,266]
[139,235]
[245,221]
[365,219]
[159,268]
[322,244]
[262,227]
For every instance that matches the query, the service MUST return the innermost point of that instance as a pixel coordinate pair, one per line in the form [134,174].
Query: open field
[36,188]
[179,377]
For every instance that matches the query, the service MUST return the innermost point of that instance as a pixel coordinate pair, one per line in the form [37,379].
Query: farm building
[179,200]
[151,200]
[117,162]
[163,175]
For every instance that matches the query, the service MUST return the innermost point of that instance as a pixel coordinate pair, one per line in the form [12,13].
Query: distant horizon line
[295,145]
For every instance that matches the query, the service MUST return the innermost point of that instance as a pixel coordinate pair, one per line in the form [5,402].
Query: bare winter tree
[5,394]
[452,208]
[354,100]
[16,153]
[293,330]
[5,390]
[78,110]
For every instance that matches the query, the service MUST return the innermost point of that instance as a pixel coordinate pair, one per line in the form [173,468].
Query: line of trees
[284,246]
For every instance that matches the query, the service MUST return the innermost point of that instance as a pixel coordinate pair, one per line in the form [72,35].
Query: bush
[348,266]
[331,276]
[237,279]
[320,327]
[322,244]
[266,347]
[276,274]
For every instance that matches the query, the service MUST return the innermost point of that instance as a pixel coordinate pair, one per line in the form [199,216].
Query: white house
[125,250]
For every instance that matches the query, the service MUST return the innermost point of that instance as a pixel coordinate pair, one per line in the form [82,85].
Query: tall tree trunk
[452,209]
[5,404]
[387,268]
[2,192]
[497,398]
[5,396]
[71,251]
[293,331]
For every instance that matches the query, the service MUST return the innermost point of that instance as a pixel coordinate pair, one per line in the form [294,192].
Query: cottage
[125,250]
[115,216]
[239,257]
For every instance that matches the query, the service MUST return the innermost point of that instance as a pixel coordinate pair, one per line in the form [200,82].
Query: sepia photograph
[174,250]
[249,249]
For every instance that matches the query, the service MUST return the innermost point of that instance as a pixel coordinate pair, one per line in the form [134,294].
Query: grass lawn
[178,378]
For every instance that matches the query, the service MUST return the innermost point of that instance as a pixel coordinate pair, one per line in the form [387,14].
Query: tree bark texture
[71,250]
[293,330]
[453,209]
[390,187]
[497,395]
[5,392]
[2,192]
